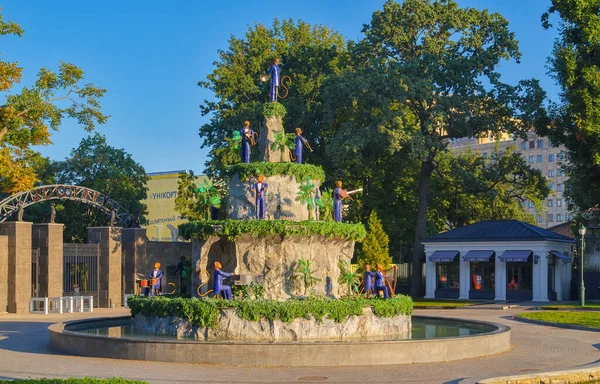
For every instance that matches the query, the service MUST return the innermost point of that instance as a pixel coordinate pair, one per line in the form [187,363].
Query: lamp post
[581,283]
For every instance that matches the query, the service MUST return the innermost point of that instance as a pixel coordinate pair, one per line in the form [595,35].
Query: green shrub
[299,171]
[375,247]
[85,380]
[202,230]
[205,312]
[274,109]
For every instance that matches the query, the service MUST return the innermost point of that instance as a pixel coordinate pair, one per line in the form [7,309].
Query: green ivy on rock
[274,109]
[205,312]
[299,171]
[202,230]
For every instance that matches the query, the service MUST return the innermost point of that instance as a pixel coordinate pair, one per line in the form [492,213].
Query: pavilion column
[540,277]
[500,278]
[429,278]
[465,273]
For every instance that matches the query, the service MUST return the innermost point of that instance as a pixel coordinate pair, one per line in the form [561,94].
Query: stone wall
[168,254]
[231,327]
[275,257]
[281,199]
[3,274]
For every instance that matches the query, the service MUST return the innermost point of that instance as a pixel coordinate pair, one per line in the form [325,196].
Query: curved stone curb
[580,375]
[282,354]
[557,325]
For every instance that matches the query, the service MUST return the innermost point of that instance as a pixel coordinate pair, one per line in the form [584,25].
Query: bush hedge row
[205,312]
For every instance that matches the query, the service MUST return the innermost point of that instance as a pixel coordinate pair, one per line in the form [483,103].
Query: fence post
[91,303]
[45,305]
[80,303]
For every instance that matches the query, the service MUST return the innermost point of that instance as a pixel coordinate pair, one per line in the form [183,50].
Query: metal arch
[11,204]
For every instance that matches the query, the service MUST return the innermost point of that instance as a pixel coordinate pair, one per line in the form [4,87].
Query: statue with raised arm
[300,141]
[247,136]
[274,73]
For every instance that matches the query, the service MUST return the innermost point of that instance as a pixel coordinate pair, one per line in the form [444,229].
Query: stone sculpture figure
[260,191]
[274,72]
[300,141]
[247,135]
[21,206]
[339,194]
[113,218]
[368,277]
[380,282]
[52,213]
[154,274]
[218,286]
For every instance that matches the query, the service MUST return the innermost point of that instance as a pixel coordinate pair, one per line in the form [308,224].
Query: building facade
[539,153]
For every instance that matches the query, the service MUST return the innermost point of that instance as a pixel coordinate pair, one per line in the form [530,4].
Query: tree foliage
[111,171]
[375,247]
[575,121]
[195,198]
[28,115]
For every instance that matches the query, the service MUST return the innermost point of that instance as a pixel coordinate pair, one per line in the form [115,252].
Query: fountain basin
[439,339]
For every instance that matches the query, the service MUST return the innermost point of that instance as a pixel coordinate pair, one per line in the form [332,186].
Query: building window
[550,217]
[560,172]
[568,217]
[561,156]
[485,155]
[559,202]
[539,219]
[540,158]
[483,275]
[448,275]
[551,203]
[531,158]
[549,143]
[524,203]
[551,186]
[532,144]
[494,155]
[454,139]
[558,217]
[540,143]
[551,158]
[524,145]
[551,173]
[531,204]
[559,187]
[462,139]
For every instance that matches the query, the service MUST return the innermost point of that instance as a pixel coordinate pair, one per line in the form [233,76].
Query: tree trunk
[417,264]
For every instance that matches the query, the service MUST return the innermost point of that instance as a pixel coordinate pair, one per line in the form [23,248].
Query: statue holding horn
[299,140]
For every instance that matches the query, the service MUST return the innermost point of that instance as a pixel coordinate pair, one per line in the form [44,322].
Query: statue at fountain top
[274,72]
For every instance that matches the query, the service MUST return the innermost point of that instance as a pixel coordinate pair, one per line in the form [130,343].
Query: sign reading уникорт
[162,218]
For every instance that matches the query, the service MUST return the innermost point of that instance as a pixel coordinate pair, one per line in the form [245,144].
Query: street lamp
[581,284]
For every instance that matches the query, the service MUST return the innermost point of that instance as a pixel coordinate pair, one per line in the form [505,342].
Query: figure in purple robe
[155,274]
[218,287]
[380,282]
[260,191]
[274,72]
[339,194]
[299,141]
[247,136]
[368,279]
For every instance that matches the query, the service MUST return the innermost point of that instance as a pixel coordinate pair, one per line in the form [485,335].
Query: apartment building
[538,152]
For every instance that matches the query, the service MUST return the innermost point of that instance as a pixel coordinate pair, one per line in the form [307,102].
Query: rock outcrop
[266,137]
[232,327]
[282,203]
[274,258]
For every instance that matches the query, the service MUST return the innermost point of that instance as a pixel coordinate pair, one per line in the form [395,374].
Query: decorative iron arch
[11,204]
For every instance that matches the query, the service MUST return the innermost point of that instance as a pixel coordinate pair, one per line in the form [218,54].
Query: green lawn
[425,303]
[571,306]
[586,319]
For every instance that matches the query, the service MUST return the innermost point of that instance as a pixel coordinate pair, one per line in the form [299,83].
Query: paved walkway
[24,353]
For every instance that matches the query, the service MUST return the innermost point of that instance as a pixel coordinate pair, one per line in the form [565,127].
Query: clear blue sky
[151,54]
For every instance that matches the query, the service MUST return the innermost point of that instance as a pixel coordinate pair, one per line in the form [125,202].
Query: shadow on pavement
[26,337]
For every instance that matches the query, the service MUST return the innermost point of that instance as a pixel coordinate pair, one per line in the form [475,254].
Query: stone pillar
[48,238]
[500,278]
[465,278]
[134,250]
[109,239]
[19,264]
[3,274]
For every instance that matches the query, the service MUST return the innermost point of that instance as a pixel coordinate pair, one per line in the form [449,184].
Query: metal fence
[35,272]
[404,272]
[81,264]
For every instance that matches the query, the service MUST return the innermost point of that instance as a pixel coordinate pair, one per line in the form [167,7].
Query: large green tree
[29,114]
[308,54]
[438,63]
[111,171]
[575,121]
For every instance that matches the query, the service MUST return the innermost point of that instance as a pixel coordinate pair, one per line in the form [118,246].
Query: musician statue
[247,136]
[299,141]
[340,194]
[218,287]
[21,207]
[380,285]
[274,73]
[368,277]
[260,191]
[52,213]
[155,274]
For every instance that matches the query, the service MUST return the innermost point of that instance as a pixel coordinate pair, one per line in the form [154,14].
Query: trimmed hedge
[299,171]
[202,230]
[85,380]
[205,312]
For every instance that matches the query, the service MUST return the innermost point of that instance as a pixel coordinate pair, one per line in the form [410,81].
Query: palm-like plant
[283,142]
[235,141]
[305,196]
[303,271]
[325,204]
[351,279]
[208,196]
[80,272]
